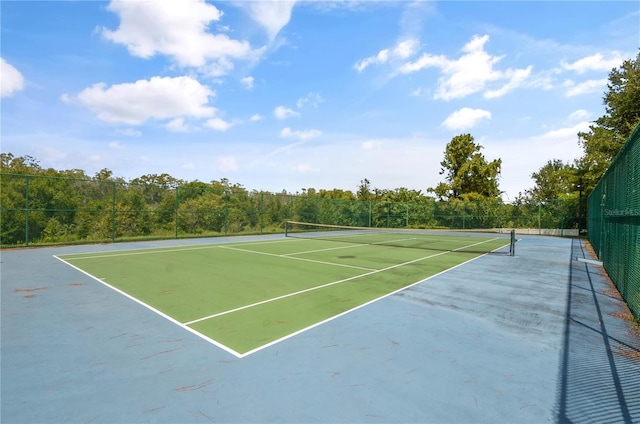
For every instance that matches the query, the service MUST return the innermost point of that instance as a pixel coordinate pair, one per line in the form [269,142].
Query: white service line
[297,259]
[328,284]
[302,330]
[162,314]
[349,246]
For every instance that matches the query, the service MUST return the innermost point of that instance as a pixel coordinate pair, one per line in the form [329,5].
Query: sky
[286,95]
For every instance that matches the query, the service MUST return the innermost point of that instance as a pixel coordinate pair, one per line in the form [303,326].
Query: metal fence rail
[614,221]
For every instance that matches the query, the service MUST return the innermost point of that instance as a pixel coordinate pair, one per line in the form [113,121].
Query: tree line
[48,205]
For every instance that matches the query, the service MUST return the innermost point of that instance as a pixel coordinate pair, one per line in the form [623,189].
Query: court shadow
[599,379]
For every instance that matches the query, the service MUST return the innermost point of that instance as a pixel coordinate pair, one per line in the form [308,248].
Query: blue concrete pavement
[538,337]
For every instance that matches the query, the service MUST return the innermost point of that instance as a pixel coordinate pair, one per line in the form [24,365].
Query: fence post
[261,212]
[539,218]
[226,211]
[407,223]
[176,211]
[113,213]
[388,214]
[464,213]
[26,215]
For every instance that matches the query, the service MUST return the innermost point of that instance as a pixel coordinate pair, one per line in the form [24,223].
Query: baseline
[131,252]
[151,308]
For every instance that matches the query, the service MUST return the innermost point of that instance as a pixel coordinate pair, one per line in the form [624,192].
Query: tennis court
[535,337]
[244,296]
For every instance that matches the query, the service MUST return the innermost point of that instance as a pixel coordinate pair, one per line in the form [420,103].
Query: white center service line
[328,284]
[297,259]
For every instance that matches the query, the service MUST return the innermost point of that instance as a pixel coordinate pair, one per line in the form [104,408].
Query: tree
[554,180]
[622,101]
[468,174]
[607,134]
[364,190]
[19,165]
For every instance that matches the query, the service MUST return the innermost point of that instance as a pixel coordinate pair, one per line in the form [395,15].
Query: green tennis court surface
[244,296]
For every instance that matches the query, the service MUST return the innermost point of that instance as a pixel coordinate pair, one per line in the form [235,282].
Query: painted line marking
[297,259]
[242,355]
[162,314]
[262,302]
[350,246]
[331,318]
[162,250]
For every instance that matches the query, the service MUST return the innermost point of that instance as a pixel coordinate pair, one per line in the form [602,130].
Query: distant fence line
[614,221]
[40,210]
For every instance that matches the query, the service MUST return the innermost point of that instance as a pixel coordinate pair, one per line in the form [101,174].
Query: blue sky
[277,95]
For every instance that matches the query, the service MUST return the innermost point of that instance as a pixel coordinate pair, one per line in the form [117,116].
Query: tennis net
[400,237]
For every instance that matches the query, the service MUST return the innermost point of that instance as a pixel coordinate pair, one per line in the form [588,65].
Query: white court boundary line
[162,314]
[322,286]
[297,259]
[288,336]
[242,355]
[154,250]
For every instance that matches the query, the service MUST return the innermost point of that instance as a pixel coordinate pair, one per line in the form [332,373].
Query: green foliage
[44,206]
[364,191]
[622,101]
[607,134]
[468,175]
[554,180]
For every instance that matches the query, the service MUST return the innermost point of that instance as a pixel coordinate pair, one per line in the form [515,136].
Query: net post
[512,244]
[286,228]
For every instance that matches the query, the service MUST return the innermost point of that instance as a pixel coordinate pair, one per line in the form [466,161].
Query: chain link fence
[41,210]
[614,221]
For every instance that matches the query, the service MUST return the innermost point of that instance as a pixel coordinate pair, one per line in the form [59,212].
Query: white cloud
[116,145]
[470,73]
[304,168]
[178,30]
[562,134]
[271,15]
[381,57]
[409,162]
[300,135]
[282,112]
[465,118]
[311,99]
[414,16]
[595,62]
[178,125]
[419,92]
[217,124]
[130,132]
[227,163]
[158,98]
[579,114]
[371,144]
[403,50]
[12,80]
[247,82]
[585,87]
[256,117]
[523,156]
[516,78]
